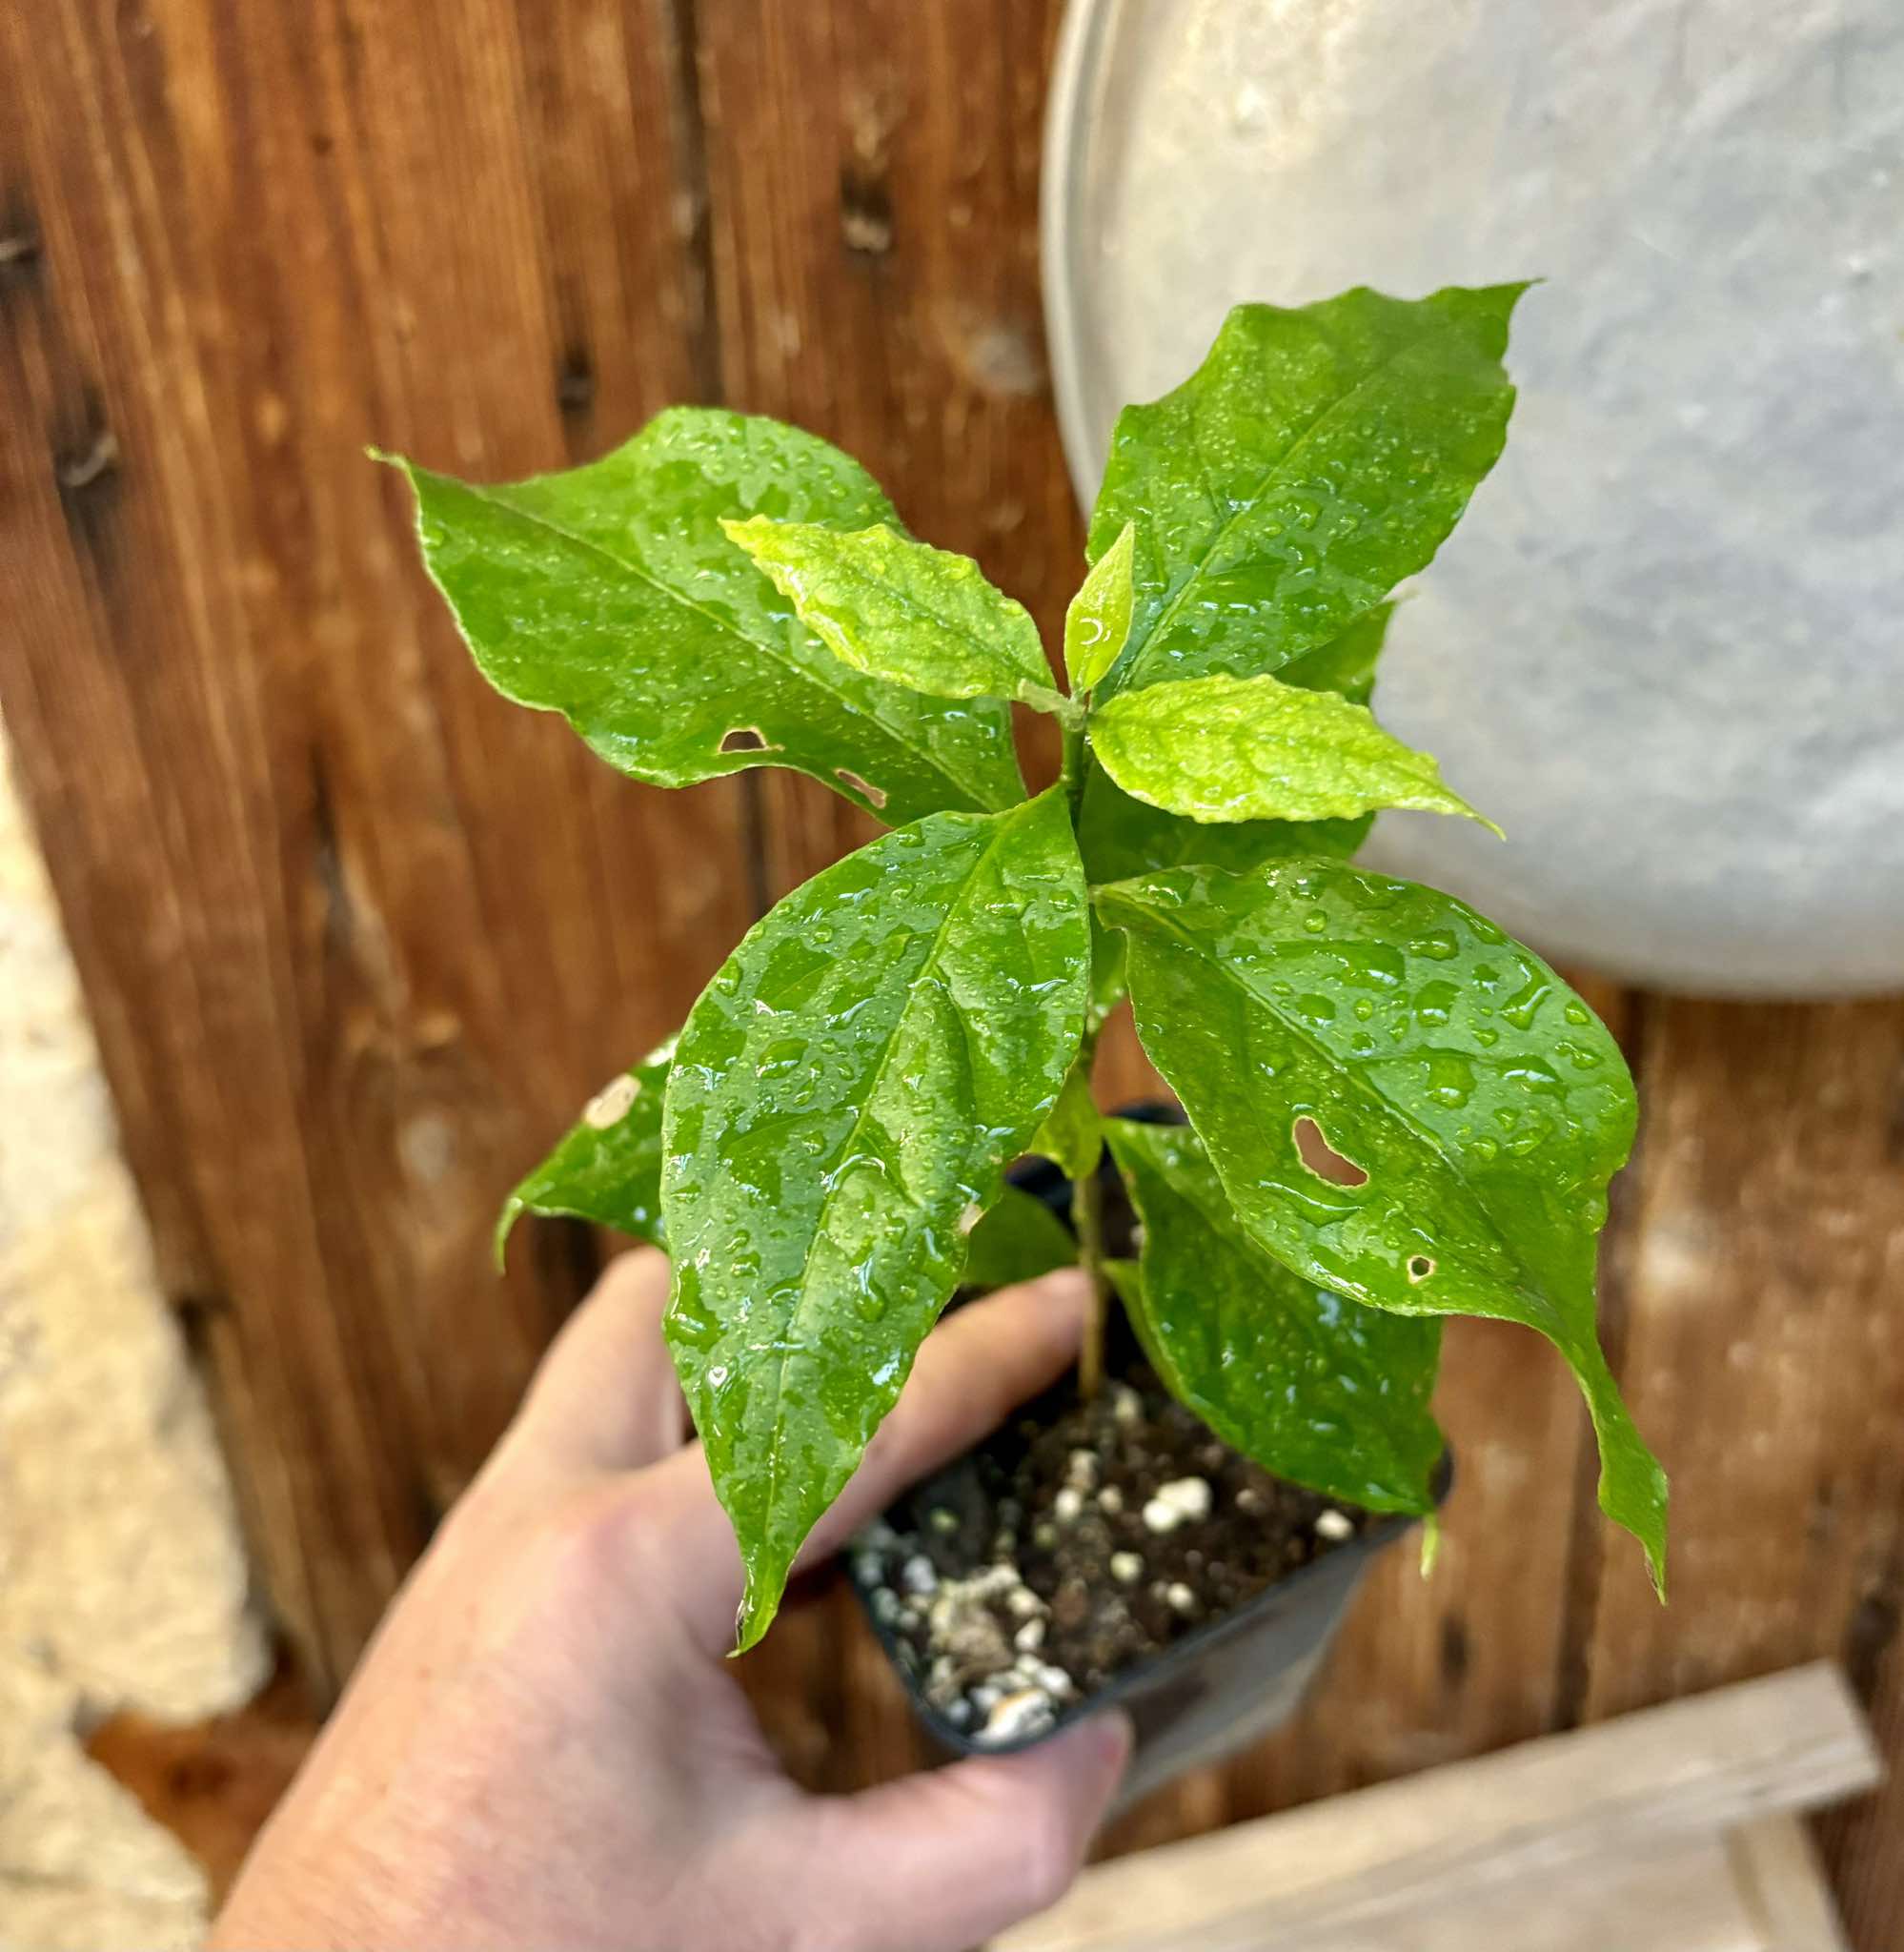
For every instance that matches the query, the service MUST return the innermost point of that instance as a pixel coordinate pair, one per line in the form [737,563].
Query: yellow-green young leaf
[608,1166]
[1018,1240]
[903,611]
[1318,1389]
[845,1096]
[1070,1135]
[1097,621]
[1316,457]
[1403,1105]
[1221,749]
[610,594]
[1121,837]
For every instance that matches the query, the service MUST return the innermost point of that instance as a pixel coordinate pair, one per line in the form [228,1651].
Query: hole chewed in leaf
[1322,1158]
[612,1104]
[873,796]
[747,739]
[1420,1267]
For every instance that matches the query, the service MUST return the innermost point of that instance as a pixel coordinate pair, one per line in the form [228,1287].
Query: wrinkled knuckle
[588,1544]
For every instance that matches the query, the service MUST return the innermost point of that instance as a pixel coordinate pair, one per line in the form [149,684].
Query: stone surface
[122,1584]
[1663,650]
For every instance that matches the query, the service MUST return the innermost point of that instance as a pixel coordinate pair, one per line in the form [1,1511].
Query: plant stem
[1087,1213]
[1077,758]
[1088,1194]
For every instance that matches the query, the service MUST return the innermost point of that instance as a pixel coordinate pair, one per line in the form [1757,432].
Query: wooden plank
[1686,1899]
[1576,1802]
[1764,1348]
[1783,1880]
[357,934]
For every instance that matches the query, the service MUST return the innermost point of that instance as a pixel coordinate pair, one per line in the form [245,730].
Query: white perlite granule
[1663,648]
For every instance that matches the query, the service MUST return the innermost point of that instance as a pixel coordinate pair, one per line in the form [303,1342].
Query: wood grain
[358,937]
[1763,1341]
[358,934]
[1784,1885]
[1588,1803]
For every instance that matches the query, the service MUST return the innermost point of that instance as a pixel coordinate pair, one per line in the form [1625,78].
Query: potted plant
[1393,1113]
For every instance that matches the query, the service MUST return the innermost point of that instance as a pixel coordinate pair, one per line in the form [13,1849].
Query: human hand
[544,1747]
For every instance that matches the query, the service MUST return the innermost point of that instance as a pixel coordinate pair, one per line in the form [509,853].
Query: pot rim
[1388,1529]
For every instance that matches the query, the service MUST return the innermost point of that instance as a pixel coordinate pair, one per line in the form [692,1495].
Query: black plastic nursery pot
[1218,1686]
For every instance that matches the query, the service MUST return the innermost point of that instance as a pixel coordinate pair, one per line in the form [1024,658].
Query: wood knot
[865,213]
[999,356]
[79,466]
[20,249]
[575,381]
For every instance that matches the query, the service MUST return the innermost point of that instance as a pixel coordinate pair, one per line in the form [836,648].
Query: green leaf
[1018,1240]
[1097,621]
[845,1097]
[1316,457]
[903,611]
[1475,1100]
[1107,987]
[1071,1134]
[609,594]
[1320,1390]
[1121,837]
[1223,749]
[608,1166]
[1346,664]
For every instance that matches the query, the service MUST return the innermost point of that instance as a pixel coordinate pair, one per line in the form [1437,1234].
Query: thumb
[938,1861]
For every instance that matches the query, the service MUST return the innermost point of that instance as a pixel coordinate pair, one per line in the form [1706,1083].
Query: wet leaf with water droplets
[1316,1388]
[1346,664]
[608,1166]
[1097,620]
[1121,837]
[835,1110]
[1317,457]
[609,594]
[1226,749]
[903,611]
[1486,1160]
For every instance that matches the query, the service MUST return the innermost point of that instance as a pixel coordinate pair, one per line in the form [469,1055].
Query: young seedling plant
[1395,1112]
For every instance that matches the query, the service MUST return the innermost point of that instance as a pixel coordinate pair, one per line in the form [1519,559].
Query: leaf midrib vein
[1281,462]
[918,610]
[776,653]
[789,1333]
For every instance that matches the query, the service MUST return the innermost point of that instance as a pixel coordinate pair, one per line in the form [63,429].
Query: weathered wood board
[1671,1828]
[358,935]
